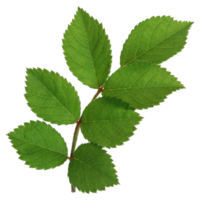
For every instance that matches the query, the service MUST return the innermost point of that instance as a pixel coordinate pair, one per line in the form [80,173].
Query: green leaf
[141,85]
[51,97]
[40,145]
[154,40]
[91,169]
[87,50]
[109,122]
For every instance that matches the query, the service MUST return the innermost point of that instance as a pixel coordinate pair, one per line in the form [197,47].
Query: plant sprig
[108,121]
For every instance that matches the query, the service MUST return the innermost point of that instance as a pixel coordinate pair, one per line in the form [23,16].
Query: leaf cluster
[108,121]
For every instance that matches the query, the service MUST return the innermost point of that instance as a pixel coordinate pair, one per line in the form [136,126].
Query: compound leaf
[109,122]
[87,50]
[154,40]
[91,169]
[51,97]
[141,85]
[40,145]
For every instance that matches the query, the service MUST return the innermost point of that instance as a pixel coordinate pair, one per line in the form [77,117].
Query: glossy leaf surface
[91,169]
[87,50]
[40,145]
[154,40]
[52,97]
[141,85]
[109,122]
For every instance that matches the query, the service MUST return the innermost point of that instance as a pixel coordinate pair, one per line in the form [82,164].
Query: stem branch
[76,131]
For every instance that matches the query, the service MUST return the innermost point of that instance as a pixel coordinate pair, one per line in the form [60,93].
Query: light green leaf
[141,85]
[87,50]
[154,40]
[109,122]
[51,97]
[40,145]
[91,169]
